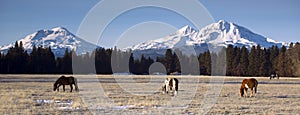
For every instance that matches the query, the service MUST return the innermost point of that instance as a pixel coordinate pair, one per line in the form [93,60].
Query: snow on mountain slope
[222,33]
[58,39]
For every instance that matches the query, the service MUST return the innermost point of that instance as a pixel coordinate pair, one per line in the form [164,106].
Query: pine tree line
[263,62]
[239,61]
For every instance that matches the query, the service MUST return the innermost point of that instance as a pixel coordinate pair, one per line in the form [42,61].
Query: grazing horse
[248,84]
[171,84]
[274,76]
[65,81]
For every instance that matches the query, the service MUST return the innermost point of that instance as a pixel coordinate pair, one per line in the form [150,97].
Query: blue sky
[278,19]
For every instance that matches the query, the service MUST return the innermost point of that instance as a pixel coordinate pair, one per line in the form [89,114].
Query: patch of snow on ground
[58,104]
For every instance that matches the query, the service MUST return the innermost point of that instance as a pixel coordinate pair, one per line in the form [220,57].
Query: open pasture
[108,94]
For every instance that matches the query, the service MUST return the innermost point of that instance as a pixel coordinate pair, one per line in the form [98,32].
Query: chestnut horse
[65,81]
[171,84]
[248,84]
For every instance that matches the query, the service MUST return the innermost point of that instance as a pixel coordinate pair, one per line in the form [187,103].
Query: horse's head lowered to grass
[171,84]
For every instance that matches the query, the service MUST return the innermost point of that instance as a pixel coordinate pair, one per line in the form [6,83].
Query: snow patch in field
[122,107]
[42,101]
[58,104]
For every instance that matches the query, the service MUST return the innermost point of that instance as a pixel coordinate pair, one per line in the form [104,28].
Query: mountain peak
[185,30]
[224,25]
[59,29]
[222,21]
[58,38]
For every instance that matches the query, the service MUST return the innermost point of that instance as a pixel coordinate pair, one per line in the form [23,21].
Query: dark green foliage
[285,65]
[169,61]
[131,63]
[140,66]
[16,60]
[253,62]
[205,63]
[230,56]
[239,61]
[103,61]
[266,65]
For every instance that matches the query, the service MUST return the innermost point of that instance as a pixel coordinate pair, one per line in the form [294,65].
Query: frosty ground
[108,94]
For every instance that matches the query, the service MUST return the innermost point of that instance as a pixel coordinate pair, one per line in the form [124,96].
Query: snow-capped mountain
[58,39]
[222,33]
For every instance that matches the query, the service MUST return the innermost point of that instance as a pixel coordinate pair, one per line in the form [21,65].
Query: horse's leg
[245,92]
[163,89]
[71,87]
[64,87]
[167,88]
[167,85]
[176,91]
[251,92]
[175,85]
[255,89]
[58,88]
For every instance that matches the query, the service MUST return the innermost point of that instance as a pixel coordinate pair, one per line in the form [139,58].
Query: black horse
[65,81]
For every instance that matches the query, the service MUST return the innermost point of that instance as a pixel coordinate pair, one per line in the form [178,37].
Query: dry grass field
[107,94]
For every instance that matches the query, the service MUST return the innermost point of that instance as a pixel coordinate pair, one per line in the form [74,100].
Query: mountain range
[188,39]
[221,33]
[59,39]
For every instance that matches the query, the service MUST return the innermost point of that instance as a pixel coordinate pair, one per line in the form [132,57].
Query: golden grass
[274,96]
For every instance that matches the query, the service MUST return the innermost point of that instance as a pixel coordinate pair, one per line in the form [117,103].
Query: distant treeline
[239,61]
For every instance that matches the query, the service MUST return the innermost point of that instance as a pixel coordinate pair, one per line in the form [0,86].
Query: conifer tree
[229,60]
[236,60]
[274,52]
[1,63]
[252,68]
[282,62]
[244,62]
[131,63]
[67,62]
[169,61]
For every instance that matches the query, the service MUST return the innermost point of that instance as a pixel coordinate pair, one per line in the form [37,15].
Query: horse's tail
[76,85]
[176,84]
[256,84]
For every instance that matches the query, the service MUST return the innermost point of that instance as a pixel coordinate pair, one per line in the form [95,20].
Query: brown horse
[248,84]
[65,81]
[170,84]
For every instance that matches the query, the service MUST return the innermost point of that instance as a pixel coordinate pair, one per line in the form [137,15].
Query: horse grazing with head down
[171,84]
[65,81]
[248,84]
[274,76]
